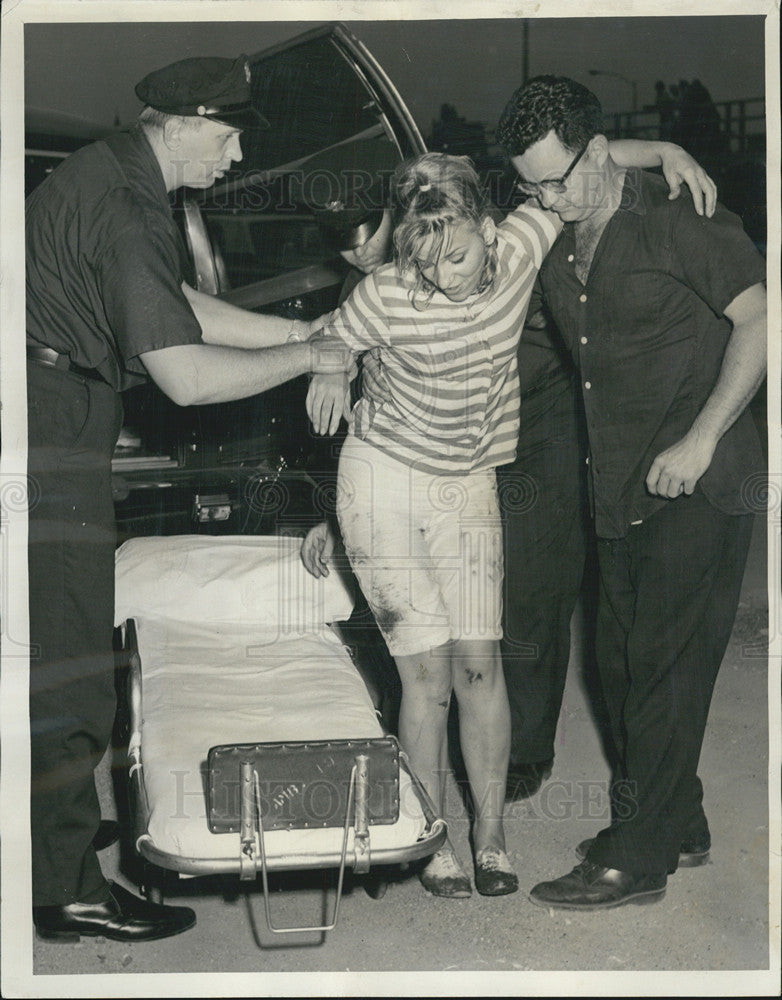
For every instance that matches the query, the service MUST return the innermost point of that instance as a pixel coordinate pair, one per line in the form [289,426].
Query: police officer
[106,309]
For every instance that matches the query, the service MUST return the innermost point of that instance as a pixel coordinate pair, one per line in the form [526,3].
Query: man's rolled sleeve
[714,257]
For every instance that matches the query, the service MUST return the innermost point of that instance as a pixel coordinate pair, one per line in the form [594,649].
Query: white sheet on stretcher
[243,678]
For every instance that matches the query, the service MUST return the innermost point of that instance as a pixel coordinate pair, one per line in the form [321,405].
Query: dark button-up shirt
[105,261]
[648,333]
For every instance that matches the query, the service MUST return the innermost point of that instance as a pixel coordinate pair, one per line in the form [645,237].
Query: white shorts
[426,549]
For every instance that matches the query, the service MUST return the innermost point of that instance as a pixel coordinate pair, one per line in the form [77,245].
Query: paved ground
[712,919]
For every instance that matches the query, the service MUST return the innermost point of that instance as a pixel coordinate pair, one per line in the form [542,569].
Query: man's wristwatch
[295,335]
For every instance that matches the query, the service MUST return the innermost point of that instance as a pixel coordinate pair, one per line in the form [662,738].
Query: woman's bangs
[420,242]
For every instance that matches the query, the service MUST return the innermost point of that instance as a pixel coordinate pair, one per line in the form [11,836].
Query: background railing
[741,125]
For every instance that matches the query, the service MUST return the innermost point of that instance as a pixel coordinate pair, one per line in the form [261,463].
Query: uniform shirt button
[570,258]
[587,385]
[582,298]
[584,340]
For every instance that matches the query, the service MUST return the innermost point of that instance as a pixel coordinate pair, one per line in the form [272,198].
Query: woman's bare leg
[423,716]
[484,729]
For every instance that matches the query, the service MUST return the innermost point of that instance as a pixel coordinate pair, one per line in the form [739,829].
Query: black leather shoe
[591,887]
[124,917]
[692,853]
[525,779]
[106,834]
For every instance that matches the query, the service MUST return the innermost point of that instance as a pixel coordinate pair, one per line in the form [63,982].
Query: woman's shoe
[494,875]
[444,876]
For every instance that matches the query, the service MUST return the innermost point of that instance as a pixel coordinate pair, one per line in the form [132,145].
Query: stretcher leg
[152,884]
[251,805]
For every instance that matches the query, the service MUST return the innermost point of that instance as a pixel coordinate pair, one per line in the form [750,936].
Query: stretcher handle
[266,903]
[246,821]
[361,823]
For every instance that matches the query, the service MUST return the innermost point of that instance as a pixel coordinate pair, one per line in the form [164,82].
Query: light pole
[609,72]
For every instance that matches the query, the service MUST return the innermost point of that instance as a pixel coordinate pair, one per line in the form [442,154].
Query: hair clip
[424,187]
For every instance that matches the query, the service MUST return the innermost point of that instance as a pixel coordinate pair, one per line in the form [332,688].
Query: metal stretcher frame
[429,841]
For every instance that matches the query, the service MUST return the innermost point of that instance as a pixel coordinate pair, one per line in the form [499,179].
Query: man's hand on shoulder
[679,168]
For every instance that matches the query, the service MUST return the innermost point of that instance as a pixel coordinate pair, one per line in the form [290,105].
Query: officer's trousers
[73,424]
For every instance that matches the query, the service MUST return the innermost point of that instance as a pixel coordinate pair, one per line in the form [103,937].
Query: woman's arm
[677,165]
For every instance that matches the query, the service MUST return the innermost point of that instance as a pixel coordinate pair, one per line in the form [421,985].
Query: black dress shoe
[692,853]
[123,917]
[591,887]
[525,779]
[106,834]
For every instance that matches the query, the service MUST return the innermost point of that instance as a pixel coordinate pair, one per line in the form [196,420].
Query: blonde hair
[430,193]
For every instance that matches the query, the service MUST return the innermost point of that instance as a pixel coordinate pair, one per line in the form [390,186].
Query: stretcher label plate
[303,784]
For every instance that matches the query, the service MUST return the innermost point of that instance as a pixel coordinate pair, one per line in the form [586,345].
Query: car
[49,138]
[254,466]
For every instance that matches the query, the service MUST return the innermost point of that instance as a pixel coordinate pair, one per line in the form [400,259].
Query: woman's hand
[679,167]
[328,399]
[317,548]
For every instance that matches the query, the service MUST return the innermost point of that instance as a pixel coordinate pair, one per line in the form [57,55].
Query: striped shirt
[451,367]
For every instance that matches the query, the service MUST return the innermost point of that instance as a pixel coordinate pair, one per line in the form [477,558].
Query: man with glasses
[664,313]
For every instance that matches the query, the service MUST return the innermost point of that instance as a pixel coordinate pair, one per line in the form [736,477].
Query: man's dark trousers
[545,522]
[668,597]
[73,423]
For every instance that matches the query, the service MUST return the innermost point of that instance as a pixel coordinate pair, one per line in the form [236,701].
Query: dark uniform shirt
[105,261]
[648,333]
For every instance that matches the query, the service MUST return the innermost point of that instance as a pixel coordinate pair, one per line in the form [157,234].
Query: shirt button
[583,340]
[587,385]
[570,258]
[582,298]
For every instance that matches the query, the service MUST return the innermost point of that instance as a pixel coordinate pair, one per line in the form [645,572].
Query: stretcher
[254,745]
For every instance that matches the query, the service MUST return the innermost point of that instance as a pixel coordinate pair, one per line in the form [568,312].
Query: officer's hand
[679,167]
[373,380]
[317,324]
[677,469]
[317,548]
[328,399]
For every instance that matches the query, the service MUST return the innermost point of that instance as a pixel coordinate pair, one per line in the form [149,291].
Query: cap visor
[244,118]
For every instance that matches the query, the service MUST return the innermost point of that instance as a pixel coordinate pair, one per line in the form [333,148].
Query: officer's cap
[208,87]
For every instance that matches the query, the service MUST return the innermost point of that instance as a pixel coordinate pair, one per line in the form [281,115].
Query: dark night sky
[88,70]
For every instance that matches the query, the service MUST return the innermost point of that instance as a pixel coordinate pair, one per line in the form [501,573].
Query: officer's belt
[49,357]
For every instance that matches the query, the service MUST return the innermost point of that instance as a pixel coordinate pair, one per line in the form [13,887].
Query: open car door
[332,111]
[255,242]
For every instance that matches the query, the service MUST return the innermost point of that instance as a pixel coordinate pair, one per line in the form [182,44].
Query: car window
[312,98]
[332,113]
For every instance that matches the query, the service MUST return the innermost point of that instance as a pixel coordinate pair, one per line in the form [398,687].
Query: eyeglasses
[555,185]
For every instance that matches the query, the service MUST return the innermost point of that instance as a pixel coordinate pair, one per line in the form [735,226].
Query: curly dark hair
[547,103]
